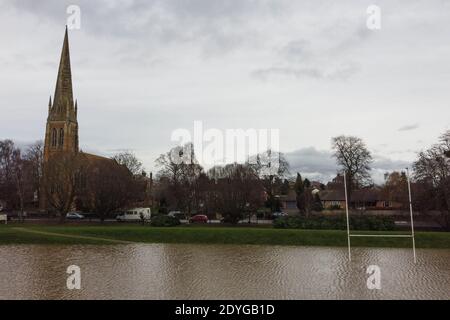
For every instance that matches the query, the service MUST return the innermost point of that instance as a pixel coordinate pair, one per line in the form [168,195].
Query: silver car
[74,216]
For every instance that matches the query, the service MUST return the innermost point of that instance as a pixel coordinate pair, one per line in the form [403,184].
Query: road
[96,220]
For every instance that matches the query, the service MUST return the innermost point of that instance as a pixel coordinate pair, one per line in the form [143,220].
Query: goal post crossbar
[383,235]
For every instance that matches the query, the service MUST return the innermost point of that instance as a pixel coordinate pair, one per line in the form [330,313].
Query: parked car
[200,218]
[177,214]
[136,214]
[279,214]
[74,216]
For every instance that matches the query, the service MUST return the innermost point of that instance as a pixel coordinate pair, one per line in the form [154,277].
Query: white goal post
[349,235]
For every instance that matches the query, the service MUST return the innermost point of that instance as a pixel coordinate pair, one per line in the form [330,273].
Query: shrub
[164,221]
[233,219]
[356,223]
[260,215]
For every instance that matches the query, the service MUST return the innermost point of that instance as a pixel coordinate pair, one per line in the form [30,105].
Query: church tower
[61,133]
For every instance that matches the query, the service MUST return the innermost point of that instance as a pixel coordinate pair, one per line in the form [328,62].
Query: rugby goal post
[350,235]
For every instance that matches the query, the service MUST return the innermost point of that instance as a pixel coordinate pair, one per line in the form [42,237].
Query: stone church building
[61,139]
[61,132]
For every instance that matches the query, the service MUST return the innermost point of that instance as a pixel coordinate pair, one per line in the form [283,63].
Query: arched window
[54,137]
[61,136]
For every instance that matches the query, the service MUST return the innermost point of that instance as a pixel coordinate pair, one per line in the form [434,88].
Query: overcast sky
[311,69]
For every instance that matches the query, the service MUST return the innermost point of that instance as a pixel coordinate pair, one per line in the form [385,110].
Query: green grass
[13,234]
[9,235]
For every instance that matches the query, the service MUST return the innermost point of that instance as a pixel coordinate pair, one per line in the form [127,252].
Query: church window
[61,136]
[54,137]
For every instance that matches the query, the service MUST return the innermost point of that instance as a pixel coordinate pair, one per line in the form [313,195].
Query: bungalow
[332,199]
[362,199]
[289,202]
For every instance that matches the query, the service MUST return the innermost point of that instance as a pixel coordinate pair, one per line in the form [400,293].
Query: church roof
[94,157]
[96,160]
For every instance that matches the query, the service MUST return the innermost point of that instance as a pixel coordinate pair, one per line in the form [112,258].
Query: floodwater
[180,271]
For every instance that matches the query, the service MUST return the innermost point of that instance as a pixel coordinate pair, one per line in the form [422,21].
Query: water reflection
[171,271]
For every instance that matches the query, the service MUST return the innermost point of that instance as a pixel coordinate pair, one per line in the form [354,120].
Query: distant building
[332,199]
[317,185]
[289,202]
[336,183]
[370,198]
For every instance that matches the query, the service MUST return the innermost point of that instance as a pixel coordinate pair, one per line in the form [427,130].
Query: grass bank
[28,234]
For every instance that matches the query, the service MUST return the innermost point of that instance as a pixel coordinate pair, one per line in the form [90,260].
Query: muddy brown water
[180,271]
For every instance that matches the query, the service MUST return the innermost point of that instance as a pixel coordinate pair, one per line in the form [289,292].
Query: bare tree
[270,167]
[238,191]
[59,178]
[433,167]
[354,158]
[180,168]
[16,178]
[395,188]
[7,184]
[108,186]
[170,172]
[35,155]
[190,186]
[129,160]
[19,169]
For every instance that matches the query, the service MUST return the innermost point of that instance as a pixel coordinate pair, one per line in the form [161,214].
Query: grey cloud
[218,26]
[409,127]
[320,164]
[382,165]
[264,74]
[352,38]
[387,164]
[301,59]
[312,163]
[297,50]
[215,26]
[341,72]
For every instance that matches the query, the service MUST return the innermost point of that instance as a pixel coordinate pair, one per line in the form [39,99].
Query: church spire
[63,98]
[49,105]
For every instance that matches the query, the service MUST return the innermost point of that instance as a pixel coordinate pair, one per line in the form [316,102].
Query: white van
[136,214]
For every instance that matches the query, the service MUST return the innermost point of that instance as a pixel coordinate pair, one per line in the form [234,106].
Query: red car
[201,218]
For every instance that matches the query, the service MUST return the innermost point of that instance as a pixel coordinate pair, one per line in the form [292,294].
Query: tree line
[235,190]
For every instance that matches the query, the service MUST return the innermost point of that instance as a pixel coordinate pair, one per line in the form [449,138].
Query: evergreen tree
[307,183]
[300,191]
[317,203]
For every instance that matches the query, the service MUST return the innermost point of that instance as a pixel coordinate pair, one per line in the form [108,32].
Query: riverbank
[17,234]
